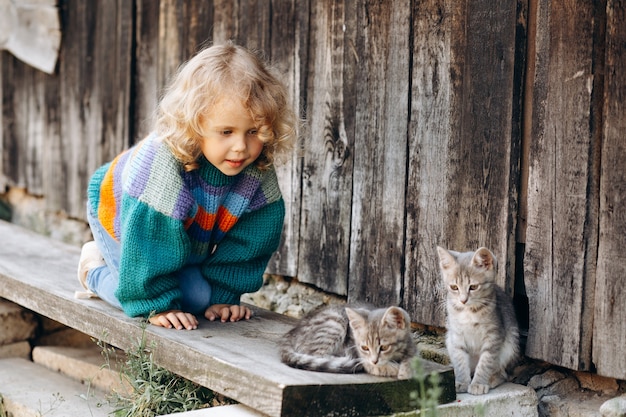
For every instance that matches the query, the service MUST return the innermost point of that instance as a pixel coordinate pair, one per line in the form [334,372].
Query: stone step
[32,390]
[84,364]
[16,323]
[87,365]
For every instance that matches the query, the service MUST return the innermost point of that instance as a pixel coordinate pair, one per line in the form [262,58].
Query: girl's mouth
[234,164]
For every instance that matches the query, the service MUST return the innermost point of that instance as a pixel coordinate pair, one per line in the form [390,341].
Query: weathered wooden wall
[575,179]
[610,294]
[431,122]
[563,185]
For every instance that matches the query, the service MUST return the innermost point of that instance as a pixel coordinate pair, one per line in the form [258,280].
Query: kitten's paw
[461,386]
[478,389]
[496,380]
[405,371]
[389,370]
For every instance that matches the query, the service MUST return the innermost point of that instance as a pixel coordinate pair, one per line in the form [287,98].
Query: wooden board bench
[239,360]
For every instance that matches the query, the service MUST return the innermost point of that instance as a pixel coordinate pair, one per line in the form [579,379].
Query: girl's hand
[227,312]
[175,319]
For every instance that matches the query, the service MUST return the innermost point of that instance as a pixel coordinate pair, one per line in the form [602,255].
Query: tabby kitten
[482,334]
[352,339]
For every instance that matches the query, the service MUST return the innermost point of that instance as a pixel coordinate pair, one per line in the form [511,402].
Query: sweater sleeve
[153,247]
[239,261]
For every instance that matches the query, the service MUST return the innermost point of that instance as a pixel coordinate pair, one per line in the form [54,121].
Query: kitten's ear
[446,259]
[396,318]
[484,259]
[356,320]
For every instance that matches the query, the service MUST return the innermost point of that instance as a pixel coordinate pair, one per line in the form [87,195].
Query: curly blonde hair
[216,72]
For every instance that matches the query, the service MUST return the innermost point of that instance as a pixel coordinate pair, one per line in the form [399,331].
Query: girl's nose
[239,143]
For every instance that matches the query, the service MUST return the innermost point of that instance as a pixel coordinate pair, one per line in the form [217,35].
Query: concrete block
[615,407]
[16,323]
[86,365]
[15,350]
[30,390]
[511,400]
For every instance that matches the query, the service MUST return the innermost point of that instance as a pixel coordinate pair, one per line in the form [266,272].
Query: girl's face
[230,139]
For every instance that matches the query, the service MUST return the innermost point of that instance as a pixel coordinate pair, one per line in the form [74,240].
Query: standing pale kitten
[482,334]
[352,339]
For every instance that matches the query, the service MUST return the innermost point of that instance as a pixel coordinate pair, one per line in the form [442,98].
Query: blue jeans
[104,280]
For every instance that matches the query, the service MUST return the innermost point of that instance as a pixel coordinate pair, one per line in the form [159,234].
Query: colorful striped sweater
[166,219]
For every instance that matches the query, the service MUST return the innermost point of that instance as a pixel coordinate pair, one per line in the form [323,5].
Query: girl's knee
[196,290]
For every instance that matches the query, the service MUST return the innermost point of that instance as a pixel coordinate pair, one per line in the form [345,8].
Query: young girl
[186,221]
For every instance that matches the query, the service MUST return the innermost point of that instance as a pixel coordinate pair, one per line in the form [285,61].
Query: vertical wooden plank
[113,57]
[483,164]
[170,52]
[562,190]
[43,130]
[289,38]
[609,332]
[167,36]
[246,22]
[94,89]
[432,125]
[145,87]
[225,24]
[253,24]
[328,149]
[13,113]
[462,165]
[27,124]
[380,152]
[31,129]
[197,25]
[28,99]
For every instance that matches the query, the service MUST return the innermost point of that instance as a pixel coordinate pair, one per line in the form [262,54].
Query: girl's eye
[473,287]
[454,287]
[226,132]
[253,132]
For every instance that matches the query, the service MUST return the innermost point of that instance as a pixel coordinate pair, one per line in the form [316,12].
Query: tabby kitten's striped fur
[482,333]
[352,339]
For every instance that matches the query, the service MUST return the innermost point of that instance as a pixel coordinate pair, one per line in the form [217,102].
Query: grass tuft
[153,390]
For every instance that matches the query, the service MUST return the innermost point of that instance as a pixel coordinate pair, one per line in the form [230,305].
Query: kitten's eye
[474,287]
[454,287]
[384,348]
[365,348]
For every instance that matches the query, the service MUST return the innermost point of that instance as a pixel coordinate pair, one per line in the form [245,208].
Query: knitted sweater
[166,219]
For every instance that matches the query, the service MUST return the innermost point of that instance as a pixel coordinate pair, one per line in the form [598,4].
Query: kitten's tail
[335,364]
